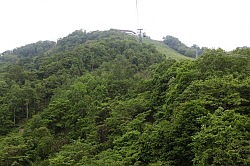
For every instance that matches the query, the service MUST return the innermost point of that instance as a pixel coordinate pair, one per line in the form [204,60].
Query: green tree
[14,151]
[223,139]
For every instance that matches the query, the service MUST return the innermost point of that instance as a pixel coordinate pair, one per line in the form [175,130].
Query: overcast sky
[210,23]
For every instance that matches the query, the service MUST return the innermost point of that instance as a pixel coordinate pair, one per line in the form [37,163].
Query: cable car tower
[140,32]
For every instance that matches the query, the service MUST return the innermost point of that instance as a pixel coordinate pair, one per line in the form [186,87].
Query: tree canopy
[177,45]
[104,98]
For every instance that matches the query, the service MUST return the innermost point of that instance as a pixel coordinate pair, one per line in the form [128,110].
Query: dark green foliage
[14,151]
[242,51]
[103,98]
[31,50]
[223,139]
[72,40]
[181,48]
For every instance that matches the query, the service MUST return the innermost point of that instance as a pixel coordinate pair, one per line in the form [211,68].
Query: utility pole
[196,53]
[140,34]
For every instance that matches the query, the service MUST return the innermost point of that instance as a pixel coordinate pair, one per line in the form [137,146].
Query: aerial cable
[139,29]
[137,14]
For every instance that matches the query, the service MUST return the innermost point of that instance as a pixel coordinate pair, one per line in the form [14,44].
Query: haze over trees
[177,45]
[104,98]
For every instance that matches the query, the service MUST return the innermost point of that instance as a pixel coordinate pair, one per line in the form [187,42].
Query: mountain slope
[30,79]
[164,49]
[105,99]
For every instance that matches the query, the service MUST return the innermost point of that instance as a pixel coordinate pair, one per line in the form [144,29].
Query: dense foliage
[181,48]
[103,98]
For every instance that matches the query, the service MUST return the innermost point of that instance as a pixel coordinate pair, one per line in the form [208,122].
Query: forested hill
[103,98]
[177,45]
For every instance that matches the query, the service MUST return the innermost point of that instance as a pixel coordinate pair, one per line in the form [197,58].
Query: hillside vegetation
[166,50]
[103,98]
[181,48]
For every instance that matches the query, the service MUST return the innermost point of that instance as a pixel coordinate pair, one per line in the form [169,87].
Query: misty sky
[210,23]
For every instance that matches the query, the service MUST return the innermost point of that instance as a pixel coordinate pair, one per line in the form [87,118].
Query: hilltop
[79,37]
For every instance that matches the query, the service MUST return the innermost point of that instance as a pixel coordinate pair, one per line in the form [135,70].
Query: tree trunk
[27,109]
[14,117]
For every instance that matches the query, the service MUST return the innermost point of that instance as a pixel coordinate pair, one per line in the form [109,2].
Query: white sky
[210,23]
